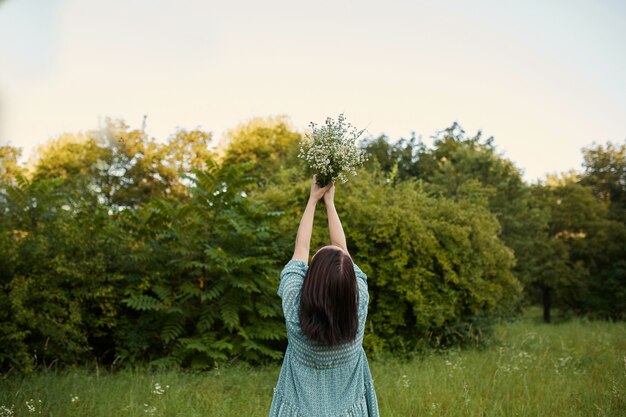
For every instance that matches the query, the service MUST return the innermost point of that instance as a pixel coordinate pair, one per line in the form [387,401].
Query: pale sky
[544,78]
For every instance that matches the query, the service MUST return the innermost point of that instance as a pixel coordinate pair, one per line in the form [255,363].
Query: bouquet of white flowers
[331,150]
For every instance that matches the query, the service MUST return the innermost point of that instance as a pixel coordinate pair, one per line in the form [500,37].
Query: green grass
[571,368]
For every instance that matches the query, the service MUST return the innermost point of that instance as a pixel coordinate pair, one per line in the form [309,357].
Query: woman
[325,372]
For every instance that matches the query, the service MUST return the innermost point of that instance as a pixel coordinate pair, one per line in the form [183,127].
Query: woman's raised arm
[335,229]
[303,237]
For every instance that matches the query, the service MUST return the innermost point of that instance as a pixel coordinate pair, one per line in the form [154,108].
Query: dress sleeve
[364,296]
[291,279]
[359,274]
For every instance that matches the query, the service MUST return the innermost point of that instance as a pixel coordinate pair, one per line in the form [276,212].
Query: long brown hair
[329,298]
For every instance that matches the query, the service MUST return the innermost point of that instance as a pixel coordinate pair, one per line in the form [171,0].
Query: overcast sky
[545,78]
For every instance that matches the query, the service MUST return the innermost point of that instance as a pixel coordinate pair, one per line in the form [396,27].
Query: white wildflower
[466,394]
[6,411]
[615,389]
[149,409]
[158,389]
[331,150]
[32,408]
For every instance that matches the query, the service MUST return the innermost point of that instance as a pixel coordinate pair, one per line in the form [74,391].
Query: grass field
[572,368]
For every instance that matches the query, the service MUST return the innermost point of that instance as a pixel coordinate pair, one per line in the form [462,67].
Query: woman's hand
[318,192]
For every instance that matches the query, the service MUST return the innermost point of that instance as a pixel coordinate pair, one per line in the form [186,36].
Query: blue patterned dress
[321,381]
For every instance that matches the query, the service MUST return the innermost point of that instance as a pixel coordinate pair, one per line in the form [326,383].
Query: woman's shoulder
[359,273]
[294,266]
[292,276]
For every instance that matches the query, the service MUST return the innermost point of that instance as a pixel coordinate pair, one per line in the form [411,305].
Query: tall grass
[572,368]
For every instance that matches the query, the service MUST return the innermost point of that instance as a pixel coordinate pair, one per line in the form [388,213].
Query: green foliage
[270,144]
[569,250]
[435,265]
[208,292]
[585,260]
[469,168]
[605,173]
[9,167]
[124,251]
[59,290]
[405,158]
[123,168]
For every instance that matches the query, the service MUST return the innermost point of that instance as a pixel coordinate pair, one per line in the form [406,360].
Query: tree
[584,254]
[131,172]
[186,151]
[605,173]
[9,166]
[437,267]
[58,273]
[270,144]
[123,168]
[206,278]
[469,168]
[404,157]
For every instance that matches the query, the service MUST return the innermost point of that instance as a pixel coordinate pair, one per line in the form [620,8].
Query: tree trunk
[547,300]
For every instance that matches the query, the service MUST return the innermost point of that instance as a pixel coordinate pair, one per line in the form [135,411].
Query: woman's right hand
[317,192]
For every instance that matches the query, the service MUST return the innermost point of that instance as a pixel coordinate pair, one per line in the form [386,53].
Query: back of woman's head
[329,298]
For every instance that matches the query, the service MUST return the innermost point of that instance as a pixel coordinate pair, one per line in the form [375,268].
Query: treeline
[118,249]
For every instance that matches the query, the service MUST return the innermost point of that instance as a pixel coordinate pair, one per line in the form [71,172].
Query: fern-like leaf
[173,328]
[142,302]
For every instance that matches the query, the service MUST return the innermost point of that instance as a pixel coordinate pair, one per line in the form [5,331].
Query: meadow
[573,367]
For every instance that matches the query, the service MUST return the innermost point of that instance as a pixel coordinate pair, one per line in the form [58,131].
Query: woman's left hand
[318,192]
